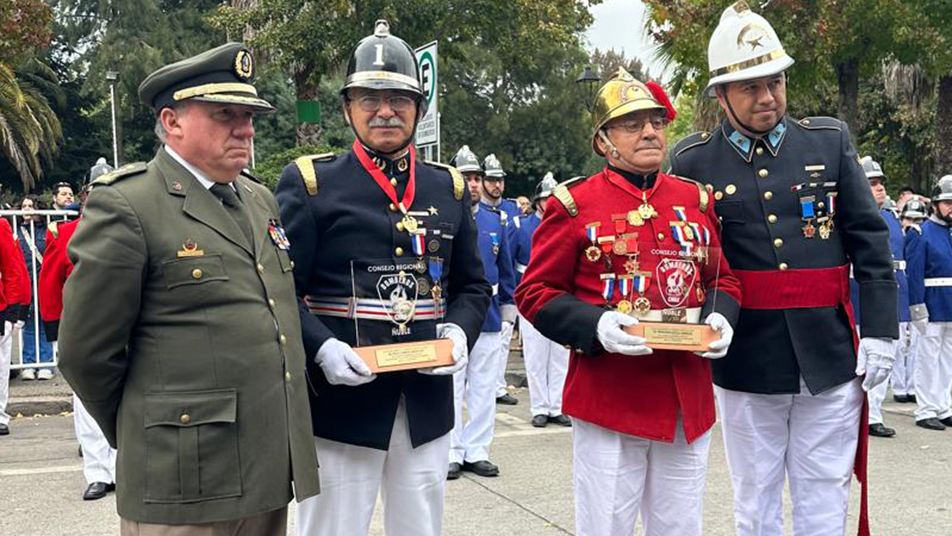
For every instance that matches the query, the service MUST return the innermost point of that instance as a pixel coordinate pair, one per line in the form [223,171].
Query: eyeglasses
[635,126]
[397,103]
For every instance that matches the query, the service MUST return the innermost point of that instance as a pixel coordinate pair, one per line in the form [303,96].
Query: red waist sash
[795,289]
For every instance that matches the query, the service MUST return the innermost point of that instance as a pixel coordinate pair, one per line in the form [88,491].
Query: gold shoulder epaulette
[704,197]
[459,184]
[692,140]
[53,229]
[117,175]
[821,123]
[305,165]
[564,196]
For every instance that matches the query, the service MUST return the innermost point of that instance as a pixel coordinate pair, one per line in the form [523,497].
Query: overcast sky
[619,24]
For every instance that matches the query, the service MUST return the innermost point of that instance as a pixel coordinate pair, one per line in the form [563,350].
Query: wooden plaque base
[407,356]
[667,336]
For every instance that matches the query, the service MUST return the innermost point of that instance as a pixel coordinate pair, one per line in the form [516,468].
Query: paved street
[42,482]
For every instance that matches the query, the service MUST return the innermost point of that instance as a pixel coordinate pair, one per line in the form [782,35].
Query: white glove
[458,336]
[613,337]
[341,365]
[19,324]
[919,316]
[875,359]
[718,348]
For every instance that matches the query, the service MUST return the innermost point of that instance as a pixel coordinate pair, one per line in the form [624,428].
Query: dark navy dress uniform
[769,193]
[335,213]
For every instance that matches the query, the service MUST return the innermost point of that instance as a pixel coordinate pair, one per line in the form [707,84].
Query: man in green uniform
[195,370]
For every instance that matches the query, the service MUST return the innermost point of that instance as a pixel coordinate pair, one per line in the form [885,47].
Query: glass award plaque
[666,290]
[396,307]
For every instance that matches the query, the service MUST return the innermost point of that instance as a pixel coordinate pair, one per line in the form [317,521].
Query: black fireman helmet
[942,191]
[384,61]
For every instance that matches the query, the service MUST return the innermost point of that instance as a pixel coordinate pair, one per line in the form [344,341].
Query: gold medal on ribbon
[410,224]
[824,231]
[642,306]
[624,306]
[592,253]
[620,247]
[647,211]
[635,218]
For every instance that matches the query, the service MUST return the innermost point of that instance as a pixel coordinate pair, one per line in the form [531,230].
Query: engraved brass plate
[665,336]
[407,356]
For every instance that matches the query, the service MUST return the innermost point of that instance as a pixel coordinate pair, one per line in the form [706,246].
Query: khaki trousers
[273,523]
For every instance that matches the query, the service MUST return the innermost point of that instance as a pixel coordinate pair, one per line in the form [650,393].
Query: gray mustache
[392,122]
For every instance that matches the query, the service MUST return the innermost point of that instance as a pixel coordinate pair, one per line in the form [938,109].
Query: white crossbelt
[939,281]
[495,289]
[899,265]
[693,315]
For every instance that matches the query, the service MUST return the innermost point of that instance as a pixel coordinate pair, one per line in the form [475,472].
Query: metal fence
[24,230]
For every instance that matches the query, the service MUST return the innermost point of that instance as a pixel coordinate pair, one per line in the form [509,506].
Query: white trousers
[547,362]
[615,475]
[410,481]
[904,369]
[933,377]
[506,335]
[99,459]
[477,384]
[810,439]
[6,350]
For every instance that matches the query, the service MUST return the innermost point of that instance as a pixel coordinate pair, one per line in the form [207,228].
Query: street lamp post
[589,82]
[112,77]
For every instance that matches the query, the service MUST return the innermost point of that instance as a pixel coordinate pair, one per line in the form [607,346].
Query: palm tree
[30,132]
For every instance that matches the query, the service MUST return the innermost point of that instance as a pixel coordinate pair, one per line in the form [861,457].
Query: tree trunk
[307,133]
[943,128]
[847,76]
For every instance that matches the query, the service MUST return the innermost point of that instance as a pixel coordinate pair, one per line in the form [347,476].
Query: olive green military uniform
[183,340]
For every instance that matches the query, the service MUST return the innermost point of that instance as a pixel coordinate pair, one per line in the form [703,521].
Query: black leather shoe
[507,400]
[539,421]
[561,420]
[931,424]
[454,471]
[482,468]
[98,490]
[80,451]
[880,430]
[912,398]
[902,399]
[946,421]
[4,429]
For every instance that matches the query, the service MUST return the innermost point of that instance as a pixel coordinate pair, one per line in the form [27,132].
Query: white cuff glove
[613,337]
[19,324]
[508,312]
[458,336]
[919,316]
[875,360]
[718,348]
[341,365]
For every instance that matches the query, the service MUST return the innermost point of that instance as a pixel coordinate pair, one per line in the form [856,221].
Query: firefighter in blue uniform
[547,361]
[929,265]
[377,222]
[477,381]
[877,184]
[491,196]
[796,211]
[902,378]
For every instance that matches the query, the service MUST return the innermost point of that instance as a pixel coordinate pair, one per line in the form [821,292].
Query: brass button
[283,340]
[393,208]
[260,268]
[763,173]
[768,195]
[292,264]
[778,242]
[718,195]
[805,121]
[398,252]
[196,274]
[705,135]
[660,236]
[821,204]
[287,376]
[400,226]
[772,218]
[730,189]
[271,303]
[760,151]
[185,418]
[393,182]
[783,266]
